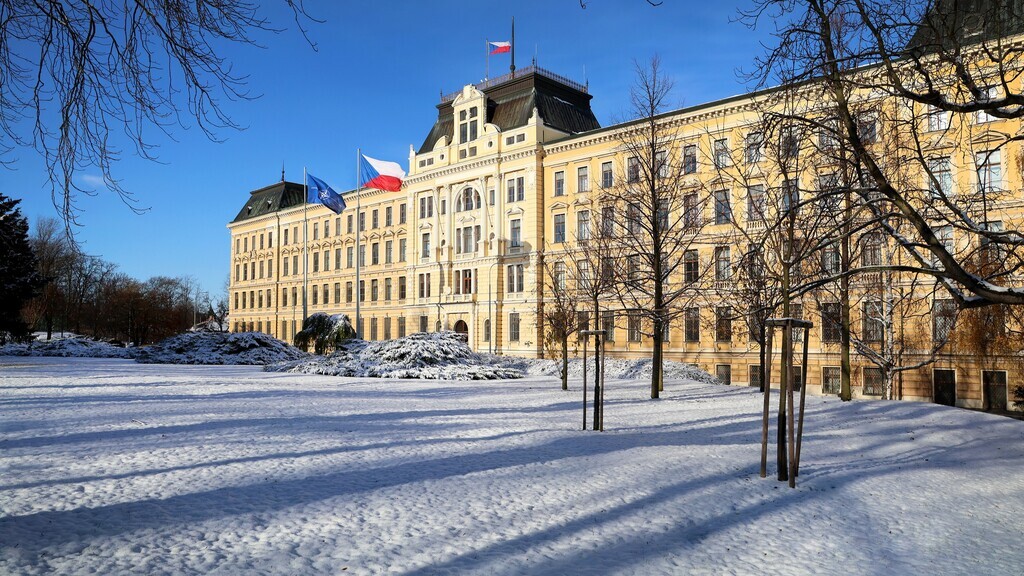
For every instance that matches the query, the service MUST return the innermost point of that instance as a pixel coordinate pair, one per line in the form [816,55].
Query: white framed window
[990,171]
[582,179]
[938,119]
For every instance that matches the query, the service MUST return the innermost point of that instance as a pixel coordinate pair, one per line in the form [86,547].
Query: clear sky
[374,83]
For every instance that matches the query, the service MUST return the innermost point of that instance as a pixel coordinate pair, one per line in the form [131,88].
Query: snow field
[111,467]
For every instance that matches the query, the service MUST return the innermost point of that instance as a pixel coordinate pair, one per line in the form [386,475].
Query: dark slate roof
[966,21]
[563,104]
[273,198]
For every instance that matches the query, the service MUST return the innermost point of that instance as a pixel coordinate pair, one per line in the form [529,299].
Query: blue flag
[319,191]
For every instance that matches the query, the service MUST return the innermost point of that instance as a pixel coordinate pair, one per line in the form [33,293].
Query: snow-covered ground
[108,466]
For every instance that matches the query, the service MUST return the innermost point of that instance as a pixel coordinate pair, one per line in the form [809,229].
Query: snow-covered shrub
[325,332]
[219,348]
[74,347]
[437,355]
[630,369]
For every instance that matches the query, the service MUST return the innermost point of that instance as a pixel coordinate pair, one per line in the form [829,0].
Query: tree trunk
[844,305]
[565,363]
[656,362]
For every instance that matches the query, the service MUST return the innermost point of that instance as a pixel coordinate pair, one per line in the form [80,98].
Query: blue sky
[374,83]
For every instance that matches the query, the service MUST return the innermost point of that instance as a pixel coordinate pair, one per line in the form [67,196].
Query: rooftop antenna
[535,55]
[282,170]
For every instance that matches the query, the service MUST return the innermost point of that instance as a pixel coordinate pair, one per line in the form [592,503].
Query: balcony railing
[532,69]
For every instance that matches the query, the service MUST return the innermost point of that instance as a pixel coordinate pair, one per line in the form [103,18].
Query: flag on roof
[500,47]
[319,191]
[380,174]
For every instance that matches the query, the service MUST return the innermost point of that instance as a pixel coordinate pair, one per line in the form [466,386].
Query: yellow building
[509,166]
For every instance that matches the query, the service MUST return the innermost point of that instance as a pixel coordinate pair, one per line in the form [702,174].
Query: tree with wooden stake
[599,360]
[788,456]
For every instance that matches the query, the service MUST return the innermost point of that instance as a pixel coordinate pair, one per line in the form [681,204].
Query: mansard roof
[270,199]
[966,21]
[563,104]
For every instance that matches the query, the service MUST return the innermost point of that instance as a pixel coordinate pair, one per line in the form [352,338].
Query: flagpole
[487,53]
[358,291]
[512,67]
[305,244]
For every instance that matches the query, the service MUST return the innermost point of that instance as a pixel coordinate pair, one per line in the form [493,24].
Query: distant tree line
[87,295]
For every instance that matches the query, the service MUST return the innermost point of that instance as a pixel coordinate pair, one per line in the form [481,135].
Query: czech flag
[500,47]
[319,191]
[380,174]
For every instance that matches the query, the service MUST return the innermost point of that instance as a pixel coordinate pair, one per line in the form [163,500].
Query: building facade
[513,172]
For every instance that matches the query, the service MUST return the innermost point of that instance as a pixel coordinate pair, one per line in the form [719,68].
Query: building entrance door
[994,384]
[945,387]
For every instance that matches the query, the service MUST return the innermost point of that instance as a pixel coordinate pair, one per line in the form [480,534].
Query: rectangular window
[375,253]
[831,322]
[362,290]
[401,327]
[425,245]
[661,166]
[401,287]
[559,185]
[724,373]
[608,325]
[987,95]
[633,327]
[337,292]
[316,261]
[373,328]
[755,204]
[789,143]
[388,245]
[401,249]
[940,177]
[606,175]
[515,233]
[831,379]
[583,225]
[753,147]
[559,228]
[990,177]
[285,269]
[691,325]
[316,231]
[348,223]
[632,169]
[375,220]
[723,210]
[387,328]
[867,127]
[723,263]
[337,258]
[873,382]
[362,255]
[402,214]
[327,228]
[873,321]
[327,293]
[690,159]
[938,119]
[790,197]
[423,323]
[374,293]
[327,260]
[513,327]
[387,289]
[515,278]
[316,294]
[691,211]
[721,153]
[943,318]
[691,262]
[582,179]
[387,216]
[350,256]
[723,324]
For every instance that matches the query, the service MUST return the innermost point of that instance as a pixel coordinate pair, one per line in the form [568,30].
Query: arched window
[487,330]
[458,204]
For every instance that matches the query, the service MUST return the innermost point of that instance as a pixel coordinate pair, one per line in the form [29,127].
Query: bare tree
[561,305]
[662,214]
[73,74]
[937,73]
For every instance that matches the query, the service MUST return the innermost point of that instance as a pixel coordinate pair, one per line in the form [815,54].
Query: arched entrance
[462,329]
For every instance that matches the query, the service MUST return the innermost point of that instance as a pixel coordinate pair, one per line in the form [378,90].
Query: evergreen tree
[19,277]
